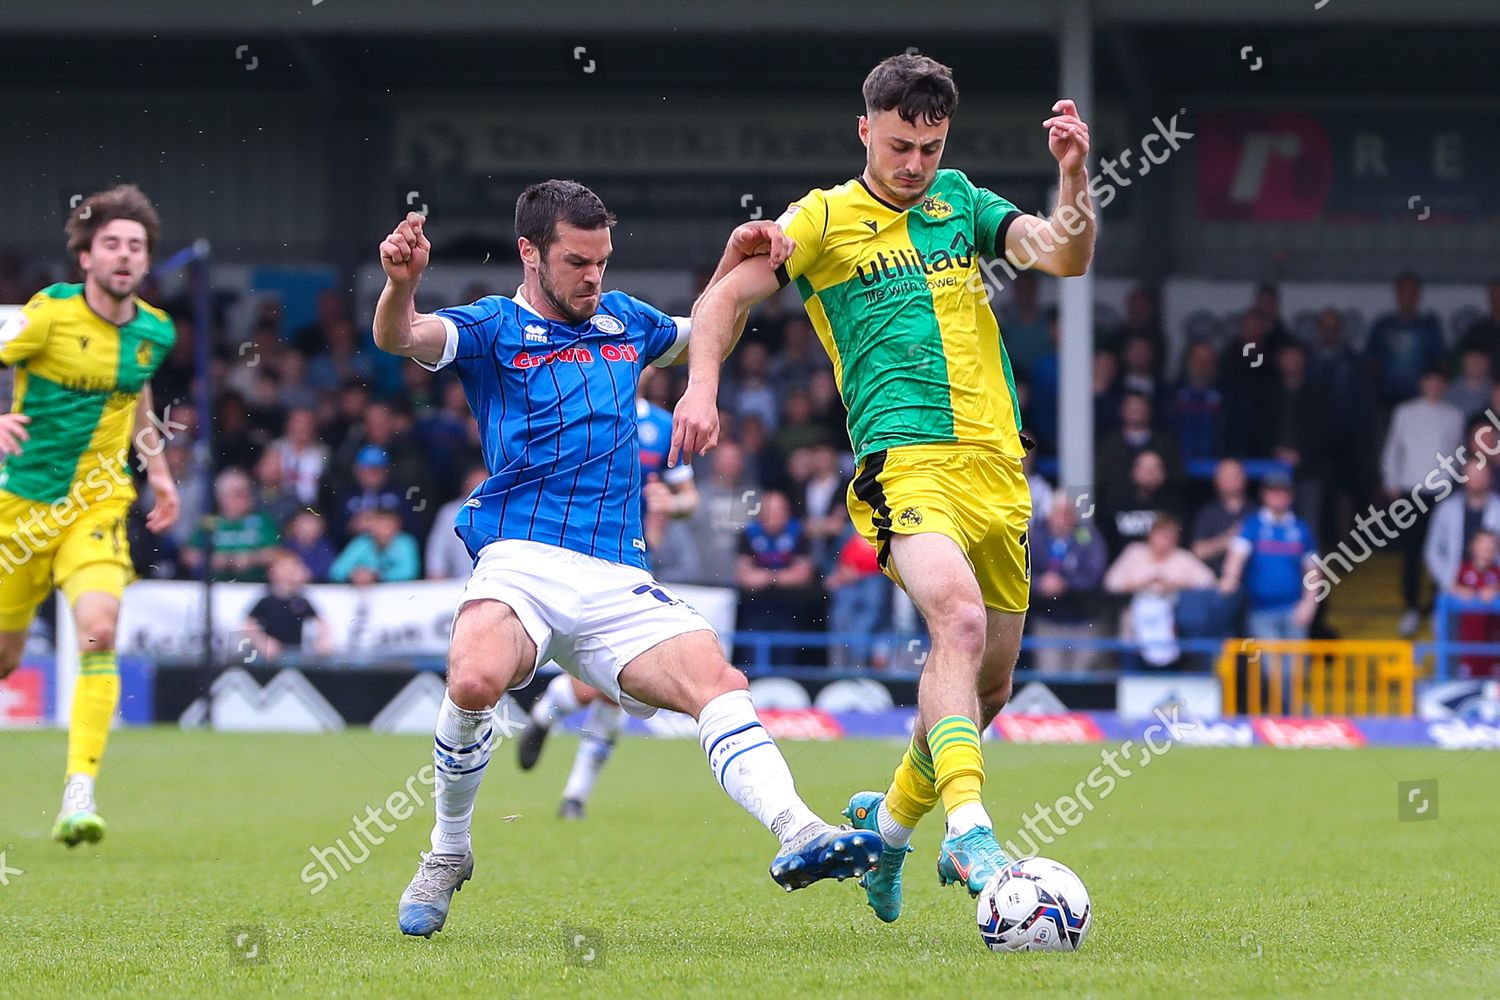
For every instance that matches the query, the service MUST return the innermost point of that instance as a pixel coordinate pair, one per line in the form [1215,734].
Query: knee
[728,679]
[960,626]
[10,659]
[717,680]
[96,634]
[473,683]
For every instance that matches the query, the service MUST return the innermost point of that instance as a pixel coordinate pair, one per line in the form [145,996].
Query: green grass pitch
[1213,873]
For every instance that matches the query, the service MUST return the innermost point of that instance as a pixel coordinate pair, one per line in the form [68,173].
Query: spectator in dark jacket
[1297,431]
[1068,560]
[1404,344]
[1130,515]
[1247,369]
[1339,372]
[1197,406]
[1118,451]
[1220,520]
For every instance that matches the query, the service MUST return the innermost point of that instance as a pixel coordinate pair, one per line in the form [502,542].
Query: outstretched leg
[689,674]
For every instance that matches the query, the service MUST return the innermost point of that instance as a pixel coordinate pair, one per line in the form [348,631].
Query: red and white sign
[1309,734]
[1257,166]
[22,697]
[1069,728]
[800,724]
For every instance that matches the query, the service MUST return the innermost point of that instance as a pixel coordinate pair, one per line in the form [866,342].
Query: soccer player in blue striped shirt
[560,566]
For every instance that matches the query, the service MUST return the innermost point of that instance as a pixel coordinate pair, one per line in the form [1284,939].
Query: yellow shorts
[75,549]
[978,498]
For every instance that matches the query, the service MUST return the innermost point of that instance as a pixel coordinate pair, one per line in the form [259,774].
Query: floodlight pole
[1076,295]
[199,273]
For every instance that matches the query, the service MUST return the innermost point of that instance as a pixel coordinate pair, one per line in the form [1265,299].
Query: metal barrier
[1317,677]
[906,652]
[1446,649]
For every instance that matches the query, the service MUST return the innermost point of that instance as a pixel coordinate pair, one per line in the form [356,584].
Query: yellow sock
[912,793]
[958,762]
[95,697]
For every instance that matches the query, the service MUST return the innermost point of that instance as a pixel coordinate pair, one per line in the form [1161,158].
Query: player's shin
[95,698]
[748,765]
[461,749]
[958,771]
[911,796]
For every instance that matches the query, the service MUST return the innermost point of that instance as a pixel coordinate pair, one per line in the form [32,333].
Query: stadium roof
[585,16]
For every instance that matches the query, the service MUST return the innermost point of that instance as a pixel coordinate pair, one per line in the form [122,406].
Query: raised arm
[718,314]
[399,328]
[752,239]
[1063,244]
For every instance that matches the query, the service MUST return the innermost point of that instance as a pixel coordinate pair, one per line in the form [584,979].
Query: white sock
[748,765]
[600,728]
[460,750]
[78,794]
[892,832]
[967,816]
[557,702]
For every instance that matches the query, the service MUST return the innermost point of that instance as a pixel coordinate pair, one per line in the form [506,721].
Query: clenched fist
[404,253]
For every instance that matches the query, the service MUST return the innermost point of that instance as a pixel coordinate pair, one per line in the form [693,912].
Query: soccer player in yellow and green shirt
[888,267]
[83,356]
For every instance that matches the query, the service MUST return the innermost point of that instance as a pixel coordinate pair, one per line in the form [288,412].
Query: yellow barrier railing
[1317,677]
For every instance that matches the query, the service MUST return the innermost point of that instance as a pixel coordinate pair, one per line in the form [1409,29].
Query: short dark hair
[542,206]
[913,85]
[125,201]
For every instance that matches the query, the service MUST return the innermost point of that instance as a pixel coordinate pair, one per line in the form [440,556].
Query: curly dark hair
[125,201]
[913,85]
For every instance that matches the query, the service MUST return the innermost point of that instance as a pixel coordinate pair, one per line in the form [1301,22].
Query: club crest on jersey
[936,208]
[535,334]
[909,518]
[143,354]
[608,325]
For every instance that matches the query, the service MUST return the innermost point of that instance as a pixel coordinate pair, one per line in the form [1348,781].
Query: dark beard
[574,317]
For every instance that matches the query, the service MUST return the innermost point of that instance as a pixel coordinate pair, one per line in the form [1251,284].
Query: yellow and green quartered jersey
[79,378]
[897,299]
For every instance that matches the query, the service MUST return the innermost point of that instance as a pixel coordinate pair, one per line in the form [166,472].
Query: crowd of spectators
[1330,428]
[1214,475]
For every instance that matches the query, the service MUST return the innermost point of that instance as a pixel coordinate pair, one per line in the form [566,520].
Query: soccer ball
[1034,904]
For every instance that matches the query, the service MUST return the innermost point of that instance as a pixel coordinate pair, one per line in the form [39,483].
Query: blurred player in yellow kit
[83,356]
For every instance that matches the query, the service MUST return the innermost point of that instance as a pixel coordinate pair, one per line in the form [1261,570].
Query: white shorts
[590,615]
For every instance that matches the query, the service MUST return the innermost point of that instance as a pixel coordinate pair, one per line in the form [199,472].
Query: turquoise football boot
[882,884]
[972,858]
